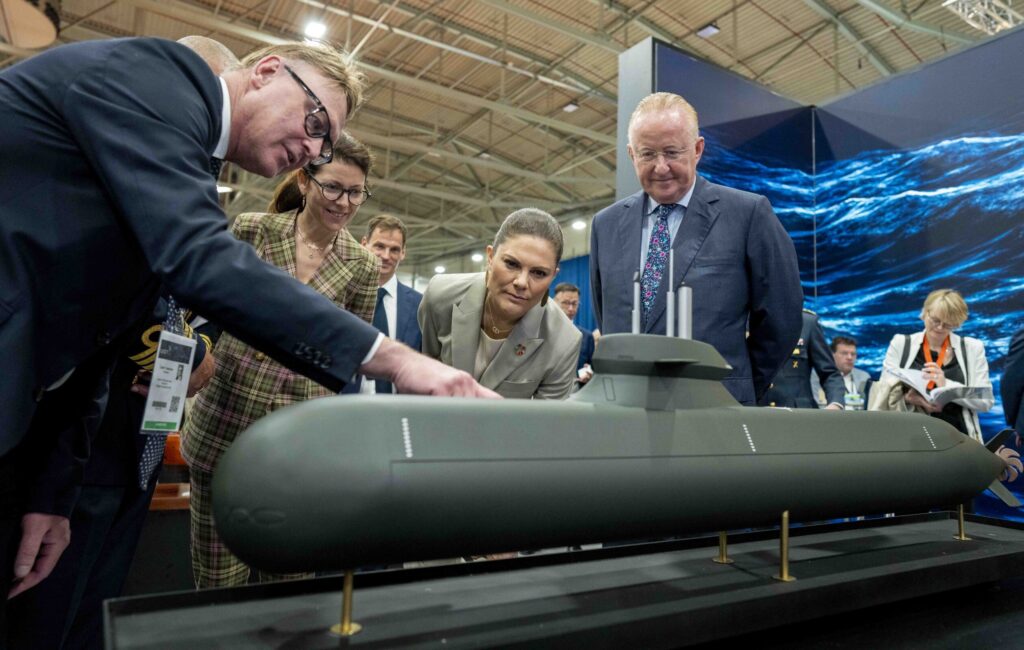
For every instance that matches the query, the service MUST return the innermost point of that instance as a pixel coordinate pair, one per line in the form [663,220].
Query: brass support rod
[723,550]
[961,534]
[784,550]
[346,627]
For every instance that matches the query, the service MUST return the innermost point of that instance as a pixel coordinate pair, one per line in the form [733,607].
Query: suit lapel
[466,327]
[280,241]
[334,272]
[698,220]
[404,312]
[522,342]
[628,231]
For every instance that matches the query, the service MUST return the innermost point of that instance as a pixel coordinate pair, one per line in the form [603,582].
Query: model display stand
[654,595]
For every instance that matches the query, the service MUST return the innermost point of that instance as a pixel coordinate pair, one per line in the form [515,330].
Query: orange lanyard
[942,356]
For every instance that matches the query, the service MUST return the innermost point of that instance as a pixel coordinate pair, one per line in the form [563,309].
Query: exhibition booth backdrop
[890,192]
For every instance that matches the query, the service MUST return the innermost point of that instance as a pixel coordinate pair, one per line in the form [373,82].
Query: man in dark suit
[396,303]
[729,247]
[106,192]
[567,296]
[1011,387]
[792,386]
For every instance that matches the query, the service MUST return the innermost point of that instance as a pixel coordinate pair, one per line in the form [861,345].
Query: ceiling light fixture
[571,107]
[707,31]
[315,29]
[439,269]
[224,189]
[477,257]
[579,224]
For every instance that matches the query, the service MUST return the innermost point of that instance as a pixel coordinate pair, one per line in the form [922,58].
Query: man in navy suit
[1011,386]
[106,193]
[396,303]
[567,296]
[728,245]
[792,387]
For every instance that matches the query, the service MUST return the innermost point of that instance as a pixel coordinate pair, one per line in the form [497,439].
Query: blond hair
[665,102]
[329,60]
[947,305]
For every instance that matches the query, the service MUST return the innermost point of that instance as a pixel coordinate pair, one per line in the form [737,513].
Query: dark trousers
[66,609]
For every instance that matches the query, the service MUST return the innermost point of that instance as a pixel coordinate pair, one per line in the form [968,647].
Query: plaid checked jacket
[247,384]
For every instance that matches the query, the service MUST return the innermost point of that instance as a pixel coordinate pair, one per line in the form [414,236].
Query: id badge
[165,403]
[854,402]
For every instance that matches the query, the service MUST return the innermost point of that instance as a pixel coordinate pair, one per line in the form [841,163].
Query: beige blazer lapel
[466,327]
[522,342]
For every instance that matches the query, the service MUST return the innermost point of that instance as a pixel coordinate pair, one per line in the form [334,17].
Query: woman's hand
[932,372]
[915,398]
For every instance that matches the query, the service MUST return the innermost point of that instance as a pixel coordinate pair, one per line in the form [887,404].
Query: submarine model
[653,446]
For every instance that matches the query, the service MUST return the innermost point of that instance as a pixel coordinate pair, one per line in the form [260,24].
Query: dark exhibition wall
[898,189]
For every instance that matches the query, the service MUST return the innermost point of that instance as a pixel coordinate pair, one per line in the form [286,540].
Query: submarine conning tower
[656,373]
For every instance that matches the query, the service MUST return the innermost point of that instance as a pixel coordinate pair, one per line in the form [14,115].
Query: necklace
[313,247]
[494,329]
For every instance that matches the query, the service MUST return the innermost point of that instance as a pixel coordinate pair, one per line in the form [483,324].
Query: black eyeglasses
[333,192]
[317,123]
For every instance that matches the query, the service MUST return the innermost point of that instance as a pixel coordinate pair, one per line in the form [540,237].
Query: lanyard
[942,356]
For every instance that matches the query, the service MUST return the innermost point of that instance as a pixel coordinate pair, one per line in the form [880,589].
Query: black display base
[660,595]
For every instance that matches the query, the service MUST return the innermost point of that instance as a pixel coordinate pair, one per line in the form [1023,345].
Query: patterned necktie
[215,165]
[380,321]
[153,448]
[657,259]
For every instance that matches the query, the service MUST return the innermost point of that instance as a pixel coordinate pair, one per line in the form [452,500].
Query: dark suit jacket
[105,192]
[1011,387]
[792,386]
[408,303]
[734,253]
[586,347]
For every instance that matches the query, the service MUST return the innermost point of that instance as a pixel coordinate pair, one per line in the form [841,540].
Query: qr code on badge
[174,404]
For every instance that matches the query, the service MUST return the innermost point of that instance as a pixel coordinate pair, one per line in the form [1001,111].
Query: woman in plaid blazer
[305,235]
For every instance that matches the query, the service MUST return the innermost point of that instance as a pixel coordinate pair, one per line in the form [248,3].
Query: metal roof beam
[589,38]
[205,19]
[900,20]
[851,34]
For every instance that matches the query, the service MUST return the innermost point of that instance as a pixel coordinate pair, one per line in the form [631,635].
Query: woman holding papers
[952,381]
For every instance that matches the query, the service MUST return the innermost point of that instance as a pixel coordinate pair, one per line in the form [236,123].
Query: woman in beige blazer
[499,326]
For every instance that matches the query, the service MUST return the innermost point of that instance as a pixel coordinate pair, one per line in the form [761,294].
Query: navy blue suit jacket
[408,302]
[586,347]
[1011,387]
[105,192]
[740,262]
[792,386]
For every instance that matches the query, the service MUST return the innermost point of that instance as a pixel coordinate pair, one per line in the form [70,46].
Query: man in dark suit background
[396,303]
[729,247]
[106,193]
[567,296]
[1011,386]
[792,387]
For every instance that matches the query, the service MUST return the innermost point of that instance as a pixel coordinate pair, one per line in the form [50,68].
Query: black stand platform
[660,595]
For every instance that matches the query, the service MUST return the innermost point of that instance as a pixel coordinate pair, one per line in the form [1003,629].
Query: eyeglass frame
[327,148]
[938,322]
[649,156]
[365,192]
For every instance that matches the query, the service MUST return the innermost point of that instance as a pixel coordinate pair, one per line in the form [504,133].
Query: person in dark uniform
[792,386]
